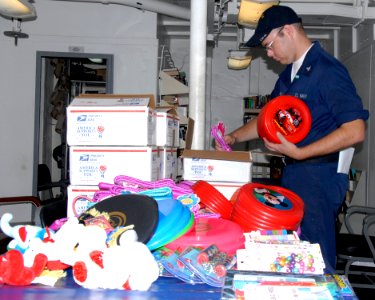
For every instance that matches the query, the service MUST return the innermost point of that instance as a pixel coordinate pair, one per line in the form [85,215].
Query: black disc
[129,209]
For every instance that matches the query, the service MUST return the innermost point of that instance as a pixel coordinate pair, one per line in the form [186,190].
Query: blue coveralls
[324,84]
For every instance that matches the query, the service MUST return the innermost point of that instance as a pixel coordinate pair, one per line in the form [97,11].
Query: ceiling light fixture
[239,60]
[251,10]
[16,32]
[18,9]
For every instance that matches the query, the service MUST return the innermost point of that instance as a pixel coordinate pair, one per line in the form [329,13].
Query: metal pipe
[198,34]
[156,6]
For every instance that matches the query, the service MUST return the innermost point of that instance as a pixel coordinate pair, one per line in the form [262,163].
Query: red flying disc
[259,206]
[253,196]
[212,198]
[286,114]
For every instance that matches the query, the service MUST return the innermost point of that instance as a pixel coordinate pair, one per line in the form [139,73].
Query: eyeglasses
[269,45]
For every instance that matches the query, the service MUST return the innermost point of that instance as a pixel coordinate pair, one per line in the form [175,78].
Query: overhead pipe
[156,6]
[364,10]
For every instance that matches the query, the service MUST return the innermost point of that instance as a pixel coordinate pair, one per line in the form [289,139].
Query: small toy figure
[14,272]
[22,234]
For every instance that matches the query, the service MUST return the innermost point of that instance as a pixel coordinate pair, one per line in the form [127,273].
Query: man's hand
[229,140]
[285,147]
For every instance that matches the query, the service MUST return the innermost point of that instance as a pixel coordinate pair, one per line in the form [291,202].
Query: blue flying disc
[173,220]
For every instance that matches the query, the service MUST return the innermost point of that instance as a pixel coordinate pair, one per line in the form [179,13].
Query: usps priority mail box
[80,198]
[217,165]
[110,120]
[167,127]
[90,165]
[169,163]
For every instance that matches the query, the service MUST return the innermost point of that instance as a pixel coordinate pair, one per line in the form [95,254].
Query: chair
[49,211]
[50,207]
[45,183]
[54,207]
[356,252]
[52,211]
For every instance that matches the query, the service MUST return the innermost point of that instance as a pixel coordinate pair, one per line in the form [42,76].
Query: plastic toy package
[301,258]
[218,133]
[168,260]
[209,264]
[267,285]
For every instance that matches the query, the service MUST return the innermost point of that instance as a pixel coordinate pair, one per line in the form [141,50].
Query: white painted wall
[127,33]
[225,88]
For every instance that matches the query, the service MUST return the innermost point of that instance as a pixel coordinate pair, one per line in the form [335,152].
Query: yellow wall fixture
[251,10]
[17,9]
[239,60]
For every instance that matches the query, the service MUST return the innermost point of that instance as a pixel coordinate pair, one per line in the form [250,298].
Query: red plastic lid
[286,114]
[212,198]
[273,200]
[264,221]
[250,223]
[258,206]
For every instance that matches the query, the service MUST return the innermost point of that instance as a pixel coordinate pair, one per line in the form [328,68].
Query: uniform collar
[306,67]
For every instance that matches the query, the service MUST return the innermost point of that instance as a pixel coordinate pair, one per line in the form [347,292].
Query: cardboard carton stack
[110,135]
[167,138]
[175,95]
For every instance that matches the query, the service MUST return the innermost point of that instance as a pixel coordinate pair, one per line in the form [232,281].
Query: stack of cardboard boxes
[111,135]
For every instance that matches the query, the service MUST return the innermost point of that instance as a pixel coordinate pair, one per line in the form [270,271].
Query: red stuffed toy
[14,272]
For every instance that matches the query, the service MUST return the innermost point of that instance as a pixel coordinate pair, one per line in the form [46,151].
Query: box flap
[167,109]
[114,100]
[189,134]
[242,156]
[171,86]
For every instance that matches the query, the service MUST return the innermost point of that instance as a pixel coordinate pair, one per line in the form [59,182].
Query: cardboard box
[182,112]
[226,188]
[167,127]
[176,100]
[169,163]
[90,165]
[211,165]
[80,198]
[111,120]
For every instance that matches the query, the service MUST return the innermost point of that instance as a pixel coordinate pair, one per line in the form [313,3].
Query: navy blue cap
[274,17]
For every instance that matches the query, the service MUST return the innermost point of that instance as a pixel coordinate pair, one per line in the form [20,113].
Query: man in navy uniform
[338,122]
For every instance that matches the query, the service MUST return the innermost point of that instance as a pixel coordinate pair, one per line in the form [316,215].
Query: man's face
[278,46]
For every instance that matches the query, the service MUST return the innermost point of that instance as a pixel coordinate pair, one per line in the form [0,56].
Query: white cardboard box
[80,198]
[111,120]
[217,165]
[93,164]
[226,188]
[169,163]
[167,127]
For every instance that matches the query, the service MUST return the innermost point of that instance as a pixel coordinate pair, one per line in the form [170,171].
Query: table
[163,288]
